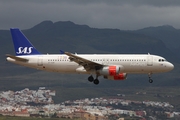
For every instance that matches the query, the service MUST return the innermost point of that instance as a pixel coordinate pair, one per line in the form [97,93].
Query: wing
[17,58]
[87,64]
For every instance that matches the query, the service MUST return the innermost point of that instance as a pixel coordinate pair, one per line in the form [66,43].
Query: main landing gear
[95,81]
[150,80]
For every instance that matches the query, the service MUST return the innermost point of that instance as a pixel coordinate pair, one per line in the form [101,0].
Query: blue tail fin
[22,45]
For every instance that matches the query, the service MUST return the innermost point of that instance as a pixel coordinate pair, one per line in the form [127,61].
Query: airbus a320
[110,66]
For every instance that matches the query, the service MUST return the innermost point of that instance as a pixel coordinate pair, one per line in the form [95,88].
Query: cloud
[121,14]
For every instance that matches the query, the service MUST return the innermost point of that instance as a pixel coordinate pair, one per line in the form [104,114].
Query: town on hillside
[39,103]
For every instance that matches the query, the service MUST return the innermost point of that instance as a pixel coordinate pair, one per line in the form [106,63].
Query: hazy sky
[121,14]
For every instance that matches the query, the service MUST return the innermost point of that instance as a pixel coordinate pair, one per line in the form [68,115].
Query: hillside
[167,34]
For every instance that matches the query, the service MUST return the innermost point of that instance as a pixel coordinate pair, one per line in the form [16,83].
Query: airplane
[110,66]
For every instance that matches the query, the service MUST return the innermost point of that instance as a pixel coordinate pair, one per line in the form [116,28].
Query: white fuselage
[139,63]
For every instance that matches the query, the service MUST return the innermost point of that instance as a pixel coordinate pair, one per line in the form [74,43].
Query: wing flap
[87,64]
[17,58]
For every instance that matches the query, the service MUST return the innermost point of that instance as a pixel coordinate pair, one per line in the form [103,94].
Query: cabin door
[149,60]
[40,61]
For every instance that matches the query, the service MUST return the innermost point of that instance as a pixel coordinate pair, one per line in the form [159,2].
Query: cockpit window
[162,60]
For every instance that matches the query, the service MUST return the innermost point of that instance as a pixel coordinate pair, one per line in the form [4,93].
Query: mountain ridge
[168,34]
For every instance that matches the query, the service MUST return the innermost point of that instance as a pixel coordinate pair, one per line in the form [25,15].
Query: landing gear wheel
[90,78]
[150,81]
[96,81]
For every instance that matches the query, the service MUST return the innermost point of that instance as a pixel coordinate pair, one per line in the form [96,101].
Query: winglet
[62,52]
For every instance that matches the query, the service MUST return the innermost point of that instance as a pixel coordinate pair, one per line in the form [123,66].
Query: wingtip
[62,52]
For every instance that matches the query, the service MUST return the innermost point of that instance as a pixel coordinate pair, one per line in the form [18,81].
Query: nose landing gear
[150,80]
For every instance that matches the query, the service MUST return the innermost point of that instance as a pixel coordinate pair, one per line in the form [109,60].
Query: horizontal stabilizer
[17,58]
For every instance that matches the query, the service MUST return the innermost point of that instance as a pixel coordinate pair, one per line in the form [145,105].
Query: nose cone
[170,66]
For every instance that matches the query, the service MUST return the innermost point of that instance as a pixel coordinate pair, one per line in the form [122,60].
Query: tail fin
[22,45]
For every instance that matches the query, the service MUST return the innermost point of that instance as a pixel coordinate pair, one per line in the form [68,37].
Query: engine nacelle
[121,76]
[110,70]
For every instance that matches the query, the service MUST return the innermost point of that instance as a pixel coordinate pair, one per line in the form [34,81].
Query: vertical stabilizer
[22,45]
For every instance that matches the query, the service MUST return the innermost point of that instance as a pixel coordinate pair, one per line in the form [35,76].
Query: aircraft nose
[170,66]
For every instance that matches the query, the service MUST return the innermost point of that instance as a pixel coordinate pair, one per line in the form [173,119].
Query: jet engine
[121,76]
[110,70]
